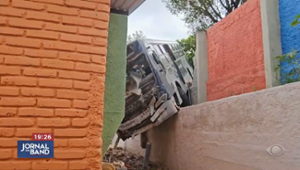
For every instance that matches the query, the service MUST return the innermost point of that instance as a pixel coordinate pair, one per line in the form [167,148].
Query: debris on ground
[124,160]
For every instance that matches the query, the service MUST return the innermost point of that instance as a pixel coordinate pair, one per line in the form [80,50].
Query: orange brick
[100,41]
[9,70]
[60,143]
[41,53]
[43,16]
[17,101]
[9,91]
[7,11]
[95,15]
[23,42]
[4,2]
[81,85]
[71,94]
[61,28]
[101,24]
[20,60]
[69,154]
[81,4]
[103,7]
[7,142]
[80,122]
[59,46]
[76,38]
[19,81]
[93,153]
[55,83]
[90,67]
[96,142]
[37,72]
[62,10]
[73,75]
[42,34]
[57,103]
[37,92]
[70,113]
[91,50]
[5,154]
[78,165]
[80,104]
[51,165]
[6,111]
[11,50]
[59,2]
[27,132]
[11,165]
[53,122]
[16,122]
[36,112]
[22,23]
[77,143]
[93,32]
[6,132]
[53,63]
[11,31]
[98,59]
[27,5]
[3,21]
[70,132]
[74,57]
[77,21]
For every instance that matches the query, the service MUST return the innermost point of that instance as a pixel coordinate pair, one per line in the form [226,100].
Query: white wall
[232,133]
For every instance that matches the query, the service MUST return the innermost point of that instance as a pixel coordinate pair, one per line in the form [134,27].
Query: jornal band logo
[36,148]
[41,146]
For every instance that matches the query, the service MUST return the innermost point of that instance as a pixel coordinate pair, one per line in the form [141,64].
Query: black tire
[184,97]
[144,140]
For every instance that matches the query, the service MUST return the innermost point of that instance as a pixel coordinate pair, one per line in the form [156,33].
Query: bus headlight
[161,100]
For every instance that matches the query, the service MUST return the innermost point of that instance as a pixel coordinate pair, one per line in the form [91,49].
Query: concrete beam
[271,39]
[201,69]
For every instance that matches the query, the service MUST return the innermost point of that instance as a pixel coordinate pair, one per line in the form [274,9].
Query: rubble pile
[124,160]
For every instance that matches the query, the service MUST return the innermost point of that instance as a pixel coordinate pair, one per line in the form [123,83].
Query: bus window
[158,51]
[163,49]
[130,49]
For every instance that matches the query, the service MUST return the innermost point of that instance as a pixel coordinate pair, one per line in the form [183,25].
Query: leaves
[289,64]
[296,21]
[134,36]
[189,46]
[201,14]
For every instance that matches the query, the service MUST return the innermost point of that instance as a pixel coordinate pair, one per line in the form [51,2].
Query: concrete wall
[235,53]
[290,37]
[115,77]
[52,70]
[233,133]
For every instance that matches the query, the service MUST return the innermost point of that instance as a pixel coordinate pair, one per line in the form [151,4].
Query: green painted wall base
[114,103]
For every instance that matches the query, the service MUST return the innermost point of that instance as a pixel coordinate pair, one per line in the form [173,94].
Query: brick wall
[235,53]
[52,71]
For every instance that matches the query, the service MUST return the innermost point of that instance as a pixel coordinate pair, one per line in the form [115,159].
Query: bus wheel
[144,140]
[184,97]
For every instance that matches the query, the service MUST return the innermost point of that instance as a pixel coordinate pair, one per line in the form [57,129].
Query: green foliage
[201,14]
[189,46]
[292,62]
[296,21]
[291,58]
[134,36]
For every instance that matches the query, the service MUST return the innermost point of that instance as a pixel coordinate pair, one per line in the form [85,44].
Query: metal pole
[147,156]
[117,142]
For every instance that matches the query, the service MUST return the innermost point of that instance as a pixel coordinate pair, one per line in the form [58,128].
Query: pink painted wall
[235,53]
